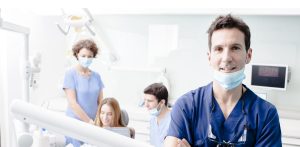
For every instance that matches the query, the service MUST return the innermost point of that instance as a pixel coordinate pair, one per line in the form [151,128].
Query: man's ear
[249,55]
[208,56]
[163,101]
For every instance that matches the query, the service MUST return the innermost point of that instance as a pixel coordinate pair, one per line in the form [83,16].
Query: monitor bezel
[269,87]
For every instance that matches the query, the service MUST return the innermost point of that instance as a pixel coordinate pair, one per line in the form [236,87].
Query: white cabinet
[290,129]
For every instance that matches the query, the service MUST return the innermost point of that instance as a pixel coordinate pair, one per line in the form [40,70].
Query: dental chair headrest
[124,117]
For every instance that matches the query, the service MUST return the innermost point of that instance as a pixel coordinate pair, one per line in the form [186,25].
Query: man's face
[228,53]
[150,101]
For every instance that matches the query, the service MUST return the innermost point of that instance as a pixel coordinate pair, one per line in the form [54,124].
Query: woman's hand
[91,122]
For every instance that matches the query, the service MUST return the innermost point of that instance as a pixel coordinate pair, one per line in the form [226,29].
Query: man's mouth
[227,69]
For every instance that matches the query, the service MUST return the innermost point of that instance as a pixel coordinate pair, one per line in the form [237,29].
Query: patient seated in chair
[111,117]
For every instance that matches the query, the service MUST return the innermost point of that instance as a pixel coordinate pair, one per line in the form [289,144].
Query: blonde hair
[113,103]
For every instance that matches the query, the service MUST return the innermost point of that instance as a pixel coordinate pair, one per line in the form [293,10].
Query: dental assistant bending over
[83,87]
[156,101]
[225,112]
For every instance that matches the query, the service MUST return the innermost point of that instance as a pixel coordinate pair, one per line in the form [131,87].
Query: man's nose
[226,55]
[146,104]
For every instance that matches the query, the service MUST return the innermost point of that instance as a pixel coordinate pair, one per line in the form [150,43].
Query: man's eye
[235,48]
[218,49]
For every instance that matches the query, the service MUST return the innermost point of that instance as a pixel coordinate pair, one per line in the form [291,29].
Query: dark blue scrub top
[194,111]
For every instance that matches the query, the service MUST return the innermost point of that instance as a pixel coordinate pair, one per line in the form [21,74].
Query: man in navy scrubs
[225,112]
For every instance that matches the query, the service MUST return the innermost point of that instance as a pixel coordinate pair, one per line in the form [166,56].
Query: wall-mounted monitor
[269,76]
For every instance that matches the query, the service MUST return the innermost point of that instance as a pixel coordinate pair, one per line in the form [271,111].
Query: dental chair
[126,131]
[125,121]
[124,117]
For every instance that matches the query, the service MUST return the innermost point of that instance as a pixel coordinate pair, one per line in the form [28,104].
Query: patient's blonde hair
[113,103]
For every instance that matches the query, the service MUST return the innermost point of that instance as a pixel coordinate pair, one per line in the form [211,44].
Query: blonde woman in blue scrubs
[83,87]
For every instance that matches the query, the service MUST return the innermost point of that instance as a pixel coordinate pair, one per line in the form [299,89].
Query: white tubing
[64,125]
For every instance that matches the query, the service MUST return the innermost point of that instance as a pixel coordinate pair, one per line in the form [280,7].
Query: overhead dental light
[80,24]
[77,22]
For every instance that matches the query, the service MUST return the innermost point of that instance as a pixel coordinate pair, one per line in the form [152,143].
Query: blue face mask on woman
[230,80]
[85,62]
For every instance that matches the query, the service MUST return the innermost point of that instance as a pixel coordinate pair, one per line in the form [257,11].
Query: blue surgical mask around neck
[155,111]
[230,80]
[85,61]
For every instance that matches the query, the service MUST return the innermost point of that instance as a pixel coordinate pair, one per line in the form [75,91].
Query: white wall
[128,35]
[278,42]
[275,40]
[51,43]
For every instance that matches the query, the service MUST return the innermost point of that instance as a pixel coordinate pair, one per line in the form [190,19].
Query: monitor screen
[269,76]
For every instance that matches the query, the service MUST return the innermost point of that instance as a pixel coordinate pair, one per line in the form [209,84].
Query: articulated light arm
[62,30]
[64,125]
